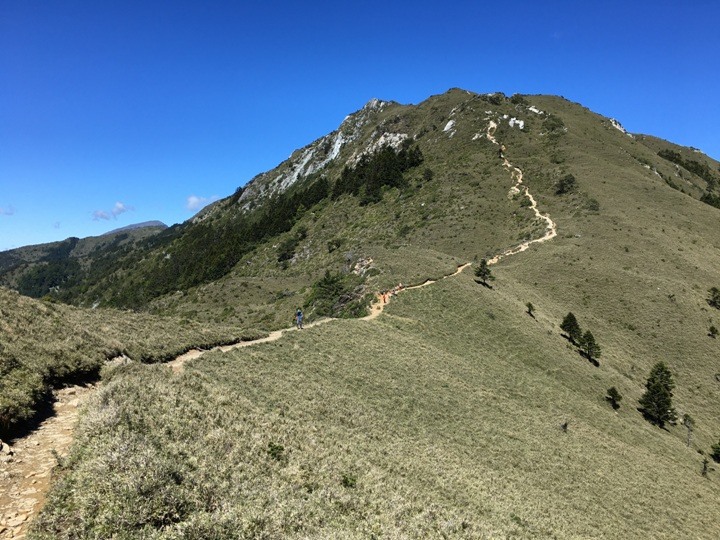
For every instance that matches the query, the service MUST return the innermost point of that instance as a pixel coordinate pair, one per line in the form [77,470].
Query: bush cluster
[338,295]
[372,173]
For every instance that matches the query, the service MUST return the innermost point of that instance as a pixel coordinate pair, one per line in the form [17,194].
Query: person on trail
[299,319]
[501,151]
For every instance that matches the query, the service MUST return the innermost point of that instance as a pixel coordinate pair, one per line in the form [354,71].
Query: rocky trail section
[26,467]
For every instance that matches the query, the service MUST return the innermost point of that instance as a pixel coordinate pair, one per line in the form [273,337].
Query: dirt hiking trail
[26,466]
[517,175]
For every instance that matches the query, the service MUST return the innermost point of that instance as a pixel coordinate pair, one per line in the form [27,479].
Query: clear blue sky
[117,112]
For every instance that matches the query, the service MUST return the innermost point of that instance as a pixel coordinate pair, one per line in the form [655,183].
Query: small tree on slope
[656,402]
[571,327]
[482,272]
[714,297]
[589,346]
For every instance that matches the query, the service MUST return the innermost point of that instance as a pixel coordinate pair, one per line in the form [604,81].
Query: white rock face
[318,155]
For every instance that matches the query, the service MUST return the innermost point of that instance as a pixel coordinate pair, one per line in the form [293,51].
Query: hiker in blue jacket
[299,318]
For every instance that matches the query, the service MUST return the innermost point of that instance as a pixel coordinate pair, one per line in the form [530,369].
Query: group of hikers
[391,292]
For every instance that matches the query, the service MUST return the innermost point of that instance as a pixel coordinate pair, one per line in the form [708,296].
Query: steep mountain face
[290,224]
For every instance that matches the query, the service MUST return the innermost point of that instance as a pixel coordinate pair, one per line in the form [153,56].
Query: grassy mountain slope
[44,345]
[455,203]
[439,419]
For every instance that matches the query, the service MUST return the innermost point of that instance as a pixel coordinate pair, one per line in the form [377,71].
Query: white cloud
[9,211]
[119,208]
[195,203]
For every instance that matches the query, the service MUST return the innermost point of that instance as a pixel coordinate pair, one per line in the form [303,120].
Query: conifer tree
[482,272]
[589,346]
[656,402]
[571,327]
[714,297]
[715,452]
[614,397]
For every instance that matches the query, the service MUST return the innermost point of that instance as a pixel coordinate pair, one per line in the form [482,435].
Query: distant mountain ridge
[143,225]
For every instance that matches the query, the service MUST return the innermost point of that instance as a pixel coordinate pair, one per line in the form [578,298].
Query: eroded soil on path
[26,466]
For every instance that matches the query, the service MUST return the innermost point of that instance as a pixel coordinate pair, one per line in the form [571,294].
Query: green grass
[419,424]
[44,345]
[441,418]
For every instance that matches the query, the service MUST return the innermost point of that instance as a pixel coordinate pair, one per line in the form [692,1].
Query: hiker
[299,319]
[501,151]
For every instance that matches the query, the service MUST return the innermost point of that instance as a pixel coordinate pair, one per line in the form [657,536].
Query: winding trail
[517,175]
[25,474]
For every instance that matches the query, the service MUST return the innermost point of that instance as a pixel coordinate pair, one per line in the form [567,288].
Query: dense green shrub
[614,397]
[372,173]
[553,124]
[338,295]
[566,184]
[711,199]
[20,391]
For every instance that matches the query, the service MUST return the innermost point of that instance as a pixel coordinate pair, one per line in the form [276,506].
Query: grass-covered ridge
[441,418]
[460,411]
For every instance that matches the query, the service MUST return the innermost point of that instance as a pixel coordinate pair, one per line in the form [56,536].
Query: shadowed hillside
[45,346]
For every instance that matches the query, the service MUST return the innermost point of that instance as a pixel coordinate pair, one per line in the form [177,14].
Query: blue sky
[114,113]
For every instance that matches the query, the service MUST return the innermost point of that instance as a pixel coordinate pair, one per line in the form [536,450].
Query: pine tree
[656,402]
[530,309]
[483,273]
[714,297]
[589,346]
[716,452]
[614,397]
[571,327]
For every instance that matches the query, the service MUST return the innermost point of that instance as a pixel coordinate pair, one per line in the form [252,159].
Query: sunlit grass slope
[442,418]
